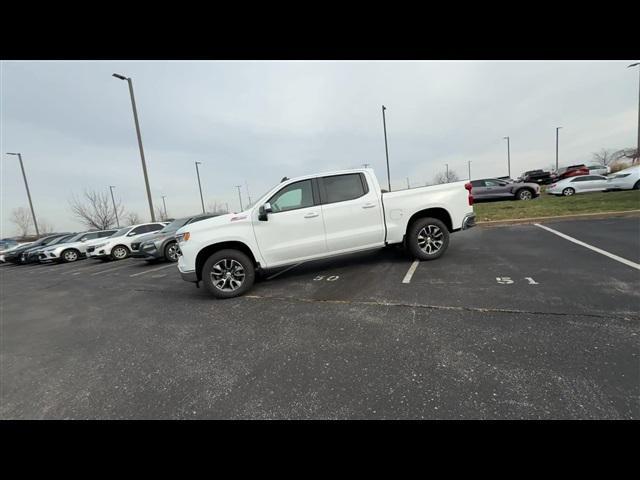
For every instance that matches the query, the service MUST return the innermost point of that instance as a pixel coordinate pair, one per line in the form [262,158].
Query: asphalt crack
[624,316]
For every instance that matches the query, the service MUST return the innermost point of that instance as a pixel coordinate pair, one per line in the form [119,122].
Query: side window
[138,230]
[478,183]
[579,179]
[89,236]
[108,233]
[340,188]
[154,227]
[292,197]
[492,183]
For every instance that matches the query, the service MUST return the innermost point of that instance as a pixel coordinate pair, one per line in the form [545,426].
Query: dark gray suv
[161,245]
[495,189]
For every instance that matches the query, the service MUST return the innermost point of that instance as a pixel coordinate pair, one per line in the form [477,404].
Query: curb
[595,216]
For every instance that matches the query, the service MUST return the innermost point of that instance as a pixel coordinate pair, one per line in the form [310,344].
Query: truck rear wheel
[228,273]
[427,238]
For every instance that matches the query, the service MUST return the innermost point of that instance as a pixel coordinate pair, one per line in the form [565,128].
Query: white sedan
[627,179]
[580,184]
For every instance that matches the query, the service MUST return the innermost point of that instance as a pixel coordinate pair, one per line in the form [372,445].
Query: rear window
[340,188]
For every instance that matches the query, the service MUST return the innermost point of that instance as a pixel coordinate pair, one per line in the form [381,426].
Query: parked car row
[542,177]
[627,179]
[149,241]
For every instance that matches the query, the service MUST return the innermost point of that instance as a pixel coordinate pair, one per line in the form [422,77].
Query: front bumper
[469,221]
[146,251]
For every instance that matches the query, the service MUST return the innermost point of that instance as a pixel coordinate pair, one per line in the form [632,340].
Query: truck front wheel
[428,238]
[228,273]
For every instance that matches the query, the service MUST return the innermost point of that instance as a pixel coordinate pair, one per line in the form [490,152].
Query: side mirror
[263,211]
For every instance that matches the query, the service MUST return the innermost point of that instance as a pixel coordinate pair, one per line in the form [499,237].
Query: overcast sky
[256,122]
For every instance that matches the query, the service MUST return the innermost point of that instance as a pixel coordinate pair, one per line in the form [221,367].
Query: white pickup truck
[319,216]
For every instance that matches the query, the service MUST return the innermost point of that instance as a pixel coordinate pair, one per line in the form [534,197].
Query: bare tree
[607,156]
[446,177]
[160,215]
[132,218]
[45,227]
[22,218]
[95,210]
[216,208]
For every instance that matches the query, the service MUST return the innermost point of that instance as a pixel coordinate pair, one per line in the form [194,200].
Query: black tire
[226,263]
[116,252]
[524,194]
[637,185]
[171,252]
[426,234]
[568,192]
[69,255]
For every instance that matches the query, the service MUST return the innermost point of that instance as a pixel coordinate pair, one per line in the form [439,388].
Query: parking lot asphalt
[512,322]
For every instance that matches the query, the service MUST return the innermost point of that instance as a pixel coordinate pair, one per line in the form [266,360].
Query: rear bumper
[469,221]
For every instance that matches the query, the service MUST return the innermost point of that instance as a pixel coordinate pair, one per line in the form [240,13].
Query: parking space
[513,322]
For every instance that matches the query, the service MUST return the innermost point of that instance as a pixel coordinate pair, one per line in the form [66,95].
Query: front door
[294,230]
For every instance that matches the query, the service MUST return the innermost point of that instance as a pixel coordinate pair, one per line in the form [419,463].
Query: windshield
[76,238]
[121,232]
[175,225]
[64,239]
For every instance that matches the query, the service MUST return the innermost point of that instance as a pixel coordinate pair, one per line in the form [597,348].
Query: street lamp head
[198,163]
[9,153]
[633,65]
[121,77]
[505,138]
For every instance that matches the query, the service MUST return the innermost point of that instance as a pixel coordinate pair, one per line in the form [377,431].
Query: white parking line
[153,270]
[111,269]
[591,247]
[410,272]
[285,270]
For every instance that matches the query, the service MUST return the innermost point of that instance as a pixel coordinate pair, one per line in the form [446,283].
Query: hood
[220,220]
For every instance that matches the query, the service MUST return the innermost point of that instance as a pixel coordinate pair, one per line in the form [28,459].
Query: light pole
[408,183]
[165,206]
[240,196]
[366,165]
[135,118]
[199,185]
[386,147]
[638,146]
[115,210]
[33,214]
[469,165]
[508,157]
[447,174]
[227,204]
[557,130]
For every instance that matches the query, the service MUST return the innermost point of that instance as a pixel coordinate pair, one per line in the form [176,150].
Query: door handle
[369,205]
[311,215]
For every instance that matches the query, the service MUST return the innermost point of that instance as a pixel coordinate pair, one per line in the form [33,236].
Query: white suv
[118,246]
[76,248]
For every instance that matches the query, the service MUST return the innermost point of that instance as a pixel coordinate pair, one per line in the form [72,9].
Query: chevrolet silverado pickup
[319,216]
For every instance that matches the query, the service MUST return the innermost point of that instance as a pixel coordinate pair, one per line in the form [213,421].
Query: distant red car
[572,171]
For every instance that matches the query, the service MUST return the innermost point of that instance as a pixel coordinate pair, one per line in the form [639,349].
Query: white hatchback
[580,184]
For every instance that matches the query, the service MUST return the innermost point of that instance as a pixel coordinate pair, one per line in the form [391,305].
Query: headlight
[183,237]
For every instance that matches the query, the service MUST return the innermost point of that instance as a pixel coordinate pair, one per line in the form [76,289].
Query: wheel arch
[435,212]
[209,250]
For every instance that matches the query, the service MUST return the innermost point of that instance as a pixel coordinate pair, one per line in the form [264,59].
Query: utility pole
[637,159]
[227,204]
[508,157]
[165,207]
[366,165]
[408,183]
[469,165]
[240,196]
[199,185]
[248,196]
[26,185]
[447,167]
[135,118]
[386,147]
[557,130]
[115,210]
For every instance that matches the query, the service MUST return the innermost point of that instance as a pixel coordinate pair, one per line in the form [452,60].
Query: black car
[538,176]
[162,245]
[15,255]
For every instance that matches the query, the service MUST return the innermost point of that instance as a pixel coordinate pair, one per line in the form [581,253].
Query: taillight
[470,199]
[468,186]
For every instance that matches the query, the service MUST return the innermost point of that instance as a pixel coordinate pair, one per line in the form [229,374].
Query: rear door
[352,212]
[294,230]
[593,183]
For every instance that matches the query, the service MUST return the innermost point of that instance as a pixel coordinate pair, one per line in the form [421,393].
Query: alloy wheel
[430,239]
[227,275]
[119,252]
[70,256]
[172,252]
